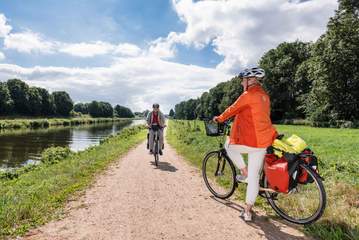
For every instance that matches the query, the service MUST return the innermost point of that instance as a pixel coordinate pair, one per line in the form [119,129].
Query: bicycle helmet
[155,105]
[252,72]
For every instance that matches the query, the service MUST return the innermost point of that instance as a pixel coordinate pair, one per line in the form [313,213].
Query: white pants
[255,165]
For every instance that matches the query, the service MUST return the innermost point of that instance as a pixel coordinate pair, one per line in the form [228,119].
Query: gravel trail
[134,199]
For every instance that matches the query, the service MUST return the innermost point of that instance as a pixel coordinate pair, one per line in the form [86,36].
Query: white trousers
[255,165]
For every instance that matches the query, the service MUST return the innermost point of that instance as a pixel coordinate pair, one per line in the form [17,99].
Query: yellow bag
[293,144]
[281,146]
[297,143]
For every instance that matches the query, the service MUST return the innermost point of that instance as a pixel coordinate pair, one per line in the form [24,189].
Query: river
[21,147]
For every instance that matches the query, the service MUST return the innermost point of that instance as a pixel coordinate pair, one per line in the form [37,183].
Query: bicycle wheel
[155,153]
[304,204]
[219,174]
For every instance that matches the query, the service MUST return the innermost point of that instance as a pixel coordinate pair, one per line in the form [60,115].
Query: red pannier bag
[312,161]
[276,172]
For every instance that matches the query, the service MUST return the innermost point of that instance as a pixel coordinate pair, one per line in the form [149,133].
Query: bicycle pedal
[262,194]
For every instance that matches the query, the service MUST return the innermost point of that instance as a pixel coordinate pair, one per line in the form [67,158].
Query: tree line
[103,109]
[317,81]
[18,98]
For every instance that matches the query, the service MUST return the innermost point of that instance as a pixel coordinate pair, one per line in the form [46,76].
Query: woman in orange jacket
[252,132]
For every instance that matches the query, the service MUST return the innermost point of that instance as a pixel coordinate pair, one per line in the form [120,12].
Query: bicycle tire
[322,200]
[232,175]
[156,153]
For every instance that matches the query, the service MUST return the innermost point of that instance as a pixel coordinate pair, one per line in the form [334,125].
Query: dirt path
[136,200]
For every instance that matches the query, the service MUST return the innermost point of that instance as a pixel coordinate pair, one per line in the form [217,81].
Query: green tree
[48,105]
[123,112]
[171,113]
[35,101]
[232,90]
[281,65]
[334,68]
[100,109]
[63,103]
[19,92]
[6,103]
[82,108]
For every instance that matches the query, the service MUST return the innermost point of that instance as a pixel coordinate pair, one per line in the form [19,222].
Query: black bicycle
[156,142]
[303,204]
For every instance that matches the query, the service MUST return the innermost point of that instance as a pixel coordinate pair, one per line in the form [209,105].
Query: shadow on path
[271,230]
[164,166]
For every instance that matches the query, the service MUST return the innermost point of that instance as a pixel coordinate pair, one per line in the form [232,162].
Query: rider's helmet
[252,72]
[155,105]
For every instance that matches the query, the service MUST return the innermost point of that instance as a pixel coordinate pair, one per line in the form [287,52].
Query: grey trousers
[151,138]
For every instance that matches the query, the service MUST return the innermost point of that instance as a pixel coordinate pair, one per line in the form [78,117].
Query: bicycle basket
[213,129]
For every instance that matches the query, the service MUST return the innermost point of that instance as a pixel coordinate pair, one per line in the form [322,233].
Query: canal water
[21,147]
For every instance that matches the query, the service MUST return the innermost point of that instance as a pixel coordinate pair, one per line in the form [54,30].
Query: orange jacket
[252,125]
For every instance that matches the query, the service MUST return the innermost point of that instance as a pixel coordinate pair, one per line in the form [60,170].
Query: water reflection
[20,147]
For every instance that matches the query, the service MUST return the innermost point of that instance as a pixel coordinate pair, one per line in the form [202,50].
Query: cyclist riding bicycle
[155,118]
[252,132]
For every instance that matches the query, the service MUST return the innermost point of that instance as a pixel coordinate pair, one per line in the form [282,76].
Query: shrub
[55,154]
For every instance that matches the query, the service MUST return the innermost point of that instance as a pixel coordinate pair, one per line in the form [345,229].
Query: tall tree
[6,103]
[171,113]
[123,112]
[19,92]
[82,108]
[334,68]
[48,105]
[100,109]
[35,101]
[63,103]
[281,65]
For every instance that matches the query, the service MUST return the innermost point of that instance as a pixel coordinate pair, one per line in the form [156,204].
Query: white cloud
[87,49]
[164,47]
[28,42]
[100,48]
[2,56]
[127,49]
[136,81]
[4,27]
[242,31]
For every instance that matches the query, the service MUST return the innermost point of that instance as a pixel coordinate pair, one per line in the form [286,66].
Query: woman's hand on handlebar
[215,119]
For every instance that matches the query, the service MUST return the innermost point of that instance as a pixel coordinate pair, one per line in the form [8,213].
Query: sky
[137,52]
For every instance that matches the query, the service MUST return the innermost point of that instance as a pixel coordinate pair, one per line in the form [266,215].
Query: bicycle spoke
[218,174]
[303,204]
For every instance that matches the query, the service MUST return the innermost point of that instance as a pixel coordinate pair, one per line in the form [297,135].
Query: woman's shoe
[247,217]
[241,178]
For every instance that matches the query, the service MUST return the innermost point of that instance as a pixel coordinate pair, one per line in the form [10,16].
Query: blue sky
[135,52]
[136,21]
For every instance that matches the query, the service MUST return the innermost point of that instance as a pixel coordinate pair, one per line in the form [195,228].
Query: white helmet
[253,72]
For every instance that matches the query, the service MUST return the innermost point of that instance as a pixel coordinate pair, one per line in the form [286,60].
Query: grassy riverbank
[37,196]
[339,163]
[49,122]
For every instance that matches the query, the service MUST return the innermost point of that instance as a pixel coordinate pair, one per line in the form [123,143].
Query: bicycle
[219,174]
[156,148]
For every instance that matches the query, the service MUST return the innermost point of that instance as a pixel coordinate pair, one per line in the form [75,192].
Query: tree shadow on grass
[271,230]
[164,166]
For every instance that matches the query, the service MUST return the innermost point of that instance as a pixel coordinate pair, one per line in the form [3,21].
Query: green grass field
[338,152]
[38,195]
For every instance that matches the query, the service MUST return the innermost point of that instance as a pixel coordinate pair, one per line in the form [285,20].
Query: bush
[55,154]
